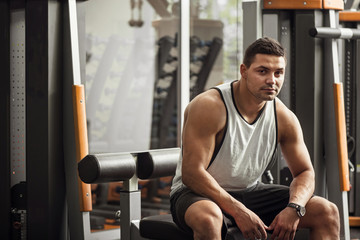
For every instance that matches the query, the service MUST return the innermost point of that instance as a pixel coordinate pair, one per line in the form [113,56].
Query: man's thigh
[179,203]
[265,200]
[185,201]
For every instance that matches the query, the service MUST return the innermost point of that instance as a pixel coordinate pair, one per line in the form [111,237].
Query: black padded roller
[157,163]
[100,168]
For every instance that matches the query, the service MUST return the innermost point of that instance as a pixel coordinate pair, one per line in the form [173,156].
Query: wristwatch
[300,210]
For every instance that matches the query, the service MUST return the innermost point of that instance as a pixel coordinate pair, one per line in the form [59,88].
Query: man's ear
[243,71]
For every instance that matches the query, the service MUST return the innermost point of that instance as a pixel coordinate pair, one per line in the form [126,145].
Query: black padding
[99,168]
[157,163]
[162,227]
[233,233]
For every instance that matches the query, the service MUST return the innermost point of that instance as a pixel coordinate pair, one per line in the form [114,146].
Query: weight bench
[129,167]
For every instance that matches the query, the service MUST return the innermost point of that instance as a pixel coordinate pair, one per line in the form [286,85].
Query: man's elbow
[188,176]
[310,175]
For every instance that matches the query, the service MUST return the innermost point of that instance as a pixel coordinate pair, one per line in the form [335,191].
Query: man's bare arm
[205,118]
[297,157]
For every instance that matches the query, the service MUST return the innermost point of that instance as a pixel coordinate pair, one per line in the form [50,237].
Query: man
[230,135]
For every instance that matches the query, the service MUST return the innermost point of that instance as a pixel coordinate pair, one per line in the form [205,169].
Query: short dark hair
[263,45]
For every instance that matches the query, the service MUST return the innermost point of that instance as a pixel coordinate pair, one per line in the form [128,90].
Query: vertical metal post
[5,120]
[335,193]
[17,113]
[357,153]
[183,85]
[46,193]
[79,222]
[308,89]
[130,199]
[252,28]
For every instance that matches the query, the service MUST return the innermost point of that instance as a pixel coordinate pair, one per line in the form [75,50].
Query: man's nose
[271,79]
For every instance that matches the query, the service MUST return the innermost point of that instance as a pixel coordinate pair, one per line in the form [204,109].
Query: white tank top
[246,149]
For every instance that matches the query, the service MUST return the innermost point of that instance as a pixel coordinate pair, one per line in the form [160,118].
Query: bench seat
[162,227]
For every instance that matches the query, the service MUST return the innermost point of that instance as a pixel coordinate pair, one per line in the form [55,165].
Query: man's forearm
[302,188]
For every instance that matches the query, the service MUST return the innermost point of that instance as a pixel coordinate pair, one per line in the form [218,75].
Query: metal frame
[5,119]
[309,89]
[252,11]
[314,98]
[184,64]
[130,196]
[45,174]
[351,4]
[351,75]
[332,75]
[357,156]
[80,222]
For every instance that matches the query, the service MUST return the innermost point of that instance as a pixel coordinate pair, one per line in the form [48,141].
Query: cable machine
[32,170]
[351,76]
[306,88]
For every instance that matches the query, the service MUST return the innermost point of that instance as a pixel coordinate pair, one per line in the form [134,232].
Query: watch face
[302,211]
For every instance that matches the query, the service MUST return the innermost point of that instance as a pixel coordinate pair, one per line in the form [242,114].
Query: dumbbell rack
[203,55]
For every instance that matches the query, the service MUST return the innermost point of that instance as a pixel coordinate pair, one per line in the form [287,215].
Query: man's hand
[251,226]
[285,225]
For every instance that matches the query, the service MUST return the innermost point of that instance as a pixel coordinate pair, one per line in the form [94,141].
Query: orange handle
[81,142]
[341,137]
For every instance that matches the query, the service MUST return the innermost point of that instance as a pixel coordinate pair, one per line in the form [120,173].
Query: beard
[266,93]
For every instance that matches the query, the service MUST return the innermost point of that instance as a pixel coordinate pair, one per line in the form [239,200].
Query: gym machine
[129,167]
[351,19]
[31,122]
[79,217]
[306,87]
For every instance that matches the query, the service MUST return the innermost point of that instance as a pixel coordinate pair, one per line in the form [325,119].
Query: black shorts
[265,200]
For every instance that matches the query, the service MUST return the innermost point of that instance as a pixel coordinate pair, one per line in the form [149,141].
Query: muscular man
[230,135]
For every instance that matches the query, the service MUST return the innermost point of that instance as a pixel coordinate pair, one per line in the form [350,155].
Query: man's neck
[248,105]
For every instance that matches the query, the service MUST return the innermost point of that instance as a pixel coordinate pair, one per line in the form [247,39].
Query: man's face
[265,76]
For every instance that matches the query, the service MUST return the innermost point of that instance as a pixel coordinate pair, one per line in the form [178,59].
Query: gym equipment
[80,125]
[351,19]
[17,125]
[31,118]
[208,63]
[331,34]
[304,90]
[160,7]
[128,167]
[164,131]
[79,118]
[139,22]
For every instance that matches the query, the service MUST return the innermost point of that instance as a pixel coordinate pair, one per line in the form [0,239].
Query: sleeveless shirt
[246,148]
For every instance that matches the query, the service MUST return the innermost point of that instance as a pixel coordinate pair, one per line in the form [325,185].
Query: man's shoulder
[282,111]
[288,123]
[208,106]
[209,98]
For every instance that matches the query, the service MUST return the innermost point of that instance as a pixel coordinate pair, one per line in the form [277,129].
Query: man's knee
[326,214]
[205,218]
[332,215]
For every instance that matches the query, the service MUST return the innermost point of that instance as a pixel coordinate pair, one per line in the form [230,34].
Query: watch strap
[297,208]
